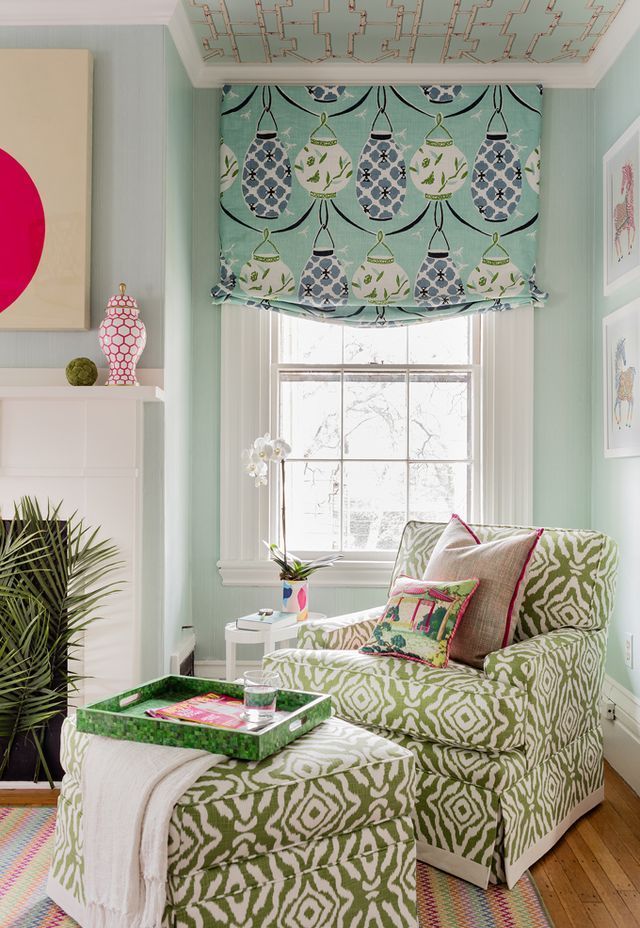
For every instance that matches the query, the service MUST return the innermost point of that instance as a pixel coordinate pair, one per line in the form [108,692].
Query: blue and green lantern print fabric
[379,205]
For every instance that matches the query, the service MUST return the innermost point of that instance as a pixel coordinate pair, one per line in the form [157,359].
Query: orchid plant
[256,460]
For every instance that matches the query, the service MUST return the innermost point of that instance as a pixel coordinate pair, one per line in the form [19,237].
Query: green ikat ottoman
[319,835]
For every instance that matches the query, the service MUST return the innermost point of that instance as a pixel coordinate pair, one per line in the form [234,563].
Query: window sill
[343,574]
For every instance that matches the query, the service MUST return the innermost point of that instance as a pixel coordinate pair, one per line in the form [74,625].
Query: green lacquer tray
[123,716]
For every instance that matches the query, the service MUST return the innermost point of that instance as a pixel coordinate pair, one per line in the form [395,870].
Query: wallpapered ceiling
[420,31]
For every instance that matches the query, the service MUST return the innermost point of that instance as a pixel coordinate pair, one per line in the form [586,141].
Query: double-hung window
[385,425]
[382,427]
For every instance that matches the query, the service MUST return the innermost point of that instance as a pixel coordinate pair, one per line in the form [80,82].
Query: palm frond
[27,699]
[55,575]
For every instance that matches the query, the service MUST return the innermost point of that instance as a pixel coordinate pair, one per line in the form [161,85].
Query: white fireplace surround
[99,450]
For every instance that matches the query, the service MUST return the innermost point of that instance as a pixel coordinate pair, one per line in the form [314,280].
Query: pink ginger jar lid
[122,301]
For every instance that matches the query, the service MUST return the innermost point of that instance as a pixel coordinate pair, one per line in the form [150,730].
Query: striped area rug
[446,902]
[26,845]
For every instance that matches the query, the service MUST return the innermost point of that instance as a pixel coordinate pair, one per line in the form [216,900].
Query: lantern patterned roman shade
[379,205]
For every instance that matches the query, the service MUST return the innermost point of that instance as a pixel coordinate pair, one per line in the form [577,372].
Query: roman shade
[379,205]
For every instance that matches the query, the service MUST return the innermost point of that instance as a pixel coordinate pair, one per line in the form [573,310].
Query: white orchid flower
[249,456]
[258,470]
[264,447]
[254,465]
[281,449]
[264,450]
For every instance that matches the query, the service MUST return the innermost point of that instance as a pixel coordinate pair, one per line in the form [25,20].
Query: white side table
[267,636]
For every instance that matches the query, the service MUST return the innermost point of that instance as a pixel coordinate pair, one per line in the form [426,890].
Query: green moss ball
[81,372]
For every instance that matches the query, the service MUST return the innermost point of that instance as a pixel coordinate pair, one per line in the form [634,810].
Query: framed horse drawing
[621,206]
[621,369]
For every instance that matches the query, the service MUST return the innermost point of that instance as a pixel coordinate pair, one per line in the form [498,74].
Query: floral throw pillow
[420,620]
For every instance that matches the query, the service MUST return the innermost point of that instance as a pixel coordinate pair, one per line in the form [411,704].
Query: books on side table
[266,617]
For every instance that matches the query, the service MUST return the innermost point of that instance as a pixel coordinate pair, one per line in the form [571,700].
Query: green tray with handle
[123,716]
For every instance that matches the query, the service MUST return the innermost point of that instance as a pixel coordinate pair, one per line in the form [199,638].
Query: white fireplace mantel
[99,451]
[143,394]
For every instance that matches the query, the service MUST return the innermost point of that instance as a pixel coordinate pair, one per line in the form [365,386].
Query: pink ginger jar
[122,339]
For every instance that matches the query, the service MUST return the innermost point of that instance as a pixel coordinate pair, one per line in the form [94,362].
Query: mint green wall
[178,218]
[616,481]
[127,228]
[214,604]
[142,216]
[562,371]
[562,401]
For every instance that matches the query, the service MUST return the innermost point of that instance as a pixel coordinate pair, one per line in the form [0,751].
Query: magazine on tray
[210,709]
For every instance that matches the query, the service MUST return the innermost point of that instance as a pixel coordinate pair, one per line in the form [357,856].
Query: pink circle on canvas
[22,228]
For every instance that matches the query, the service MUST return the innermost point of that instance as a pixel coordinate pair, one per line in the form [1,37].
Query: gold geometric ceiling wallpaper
[401,31]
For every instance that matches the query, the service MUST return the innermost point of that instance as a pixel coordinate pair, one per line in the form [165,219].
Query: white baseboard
[622,736]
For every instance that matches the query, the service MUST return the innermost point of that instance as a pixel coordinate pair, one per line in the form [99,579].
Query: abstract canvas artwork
[45,186]
[621,203]
[621,363]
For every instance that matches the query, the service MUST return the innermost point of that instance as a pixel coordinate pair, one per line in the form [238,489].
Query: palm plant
[55,574]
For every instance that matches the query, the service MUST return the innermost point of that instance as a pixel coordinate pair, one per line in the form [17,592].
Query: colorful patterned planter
[295,598]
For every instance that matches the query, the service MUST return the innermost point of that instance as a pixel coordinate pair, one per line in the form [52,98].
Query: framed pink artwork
[45,185]
[621,208]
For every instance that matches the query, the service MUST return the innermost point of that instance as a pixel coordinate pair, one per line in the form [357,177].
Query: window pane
[313,506]
[438,416]
[309,342]
[441,341]
[375,415]
[364,346]
[374,505]
[310,413]
[437,490]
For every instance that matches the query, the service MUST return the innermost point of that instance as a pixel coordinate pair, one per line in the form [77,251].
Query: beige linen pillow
[501,566]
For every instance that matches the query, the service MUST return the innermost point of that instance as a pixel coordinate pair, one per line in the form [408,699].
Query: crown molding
[554,75]
[615,39]
[187,46]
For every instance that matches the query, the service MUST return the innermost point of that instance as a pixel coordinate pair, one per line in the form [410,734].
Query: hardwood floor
[591,878]
[29,797]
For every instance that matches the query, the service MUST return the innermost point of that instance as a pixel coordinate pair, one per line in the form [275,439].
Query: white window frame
[502,442]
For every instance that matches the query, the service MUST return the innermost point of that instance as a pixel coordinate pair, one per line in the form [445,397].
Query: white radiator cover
[99,450]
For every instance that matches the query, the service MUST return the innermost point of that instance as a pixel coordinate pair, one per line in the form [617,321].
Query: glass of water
[260,693]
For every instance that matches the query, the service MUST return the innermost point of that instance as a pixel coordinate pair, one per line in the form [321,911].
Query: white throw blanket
[129,791]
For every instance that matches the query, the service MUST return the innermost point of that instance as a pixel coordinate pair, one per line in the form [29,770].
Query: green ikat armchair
[508,756]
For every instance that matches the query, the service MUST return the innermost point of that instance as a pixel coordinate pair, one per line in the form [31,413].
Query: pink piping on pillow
[517,586]
[454,515]
[507,629]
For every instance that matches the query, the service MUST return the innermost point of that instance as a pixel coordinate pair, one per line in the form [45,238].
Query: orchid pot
[295,598]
